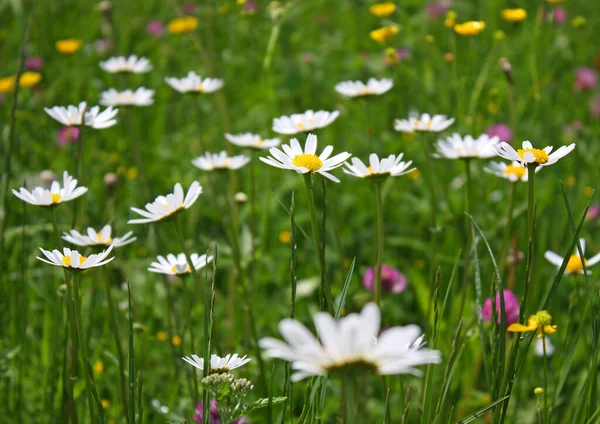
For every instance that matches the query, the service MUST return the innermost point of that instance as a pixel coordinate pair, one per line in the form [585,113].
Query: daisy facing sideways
[373,87]
[82,115]
[132,64]
[140,97]
[193,83]
[575,264]
[40,196]
[167,206]
[467,147]
[252,141]
[306,161]
[178,265]
[218,364]
[512,172]
[220,161]
[302,122]
[349,345]
[74,260]
[392,166]
[98,238]
[425,122]
[529,156]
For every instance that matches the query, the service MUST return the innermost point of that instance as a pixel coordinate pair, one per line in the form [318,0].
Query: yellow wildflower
[161,336]
[98,367]
[285,237]
[493,109]
[176,340]
[414,174]
[68,46]
[570,182]
[105,403]
[382,10]
[430,38]
[588,191]
[469,29]
[29,79]
[450,19]
[7,84]
[499,35]
[578,21]
[181,25]
[541,321]
[514,15]
[538,391]
[384,34]
[132,174]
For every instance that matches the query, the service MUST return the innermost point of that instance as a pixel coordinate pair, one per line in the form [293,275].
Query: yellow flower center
[365,90]
[181,269]
[300,126]
[542,318]
[55,197]
[67,260]
[260,142]
[575,264]
[308,161]
[99,236]
[539,156]
[515,170]
[201,88]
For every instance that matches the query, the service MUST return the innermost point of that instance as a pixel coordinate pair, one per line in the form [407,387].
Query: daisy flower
[373,87]
[73,260]
[575,264]
[252,141]
[98,238]
[457,147]
[75,116]
[425,122]
[350,344]
[134,64]
[178,265]
[43,197]
[167,206]
[220,161]
[513,172]
[218,364]
[193,83]
[529,156]
[540,321]
[305,161]
[140,97]
[307,121]
[392,166]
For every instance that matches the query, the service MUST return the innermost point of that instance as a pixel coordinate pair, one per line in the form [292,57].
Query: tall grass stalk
[378,238]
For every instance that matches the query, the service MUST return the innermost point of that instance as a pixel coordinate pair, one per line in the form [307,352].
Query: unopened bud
[507,70]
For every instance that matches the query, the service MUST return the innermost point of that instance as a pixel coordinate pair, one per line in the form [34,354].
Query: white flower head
[373,87]
[178,265]
[98,238]
[575,263]
[81,115]
[193,83]
[302,122]
[252,141]
[528,155]
[513,172]
[392,166]
[167,206]
[457,147]
[218,364]
[132,64]
[425,122]
[40,196]
[140,97]
[220,161]
[73,260]
[539,346]
[351,343]
[305,161]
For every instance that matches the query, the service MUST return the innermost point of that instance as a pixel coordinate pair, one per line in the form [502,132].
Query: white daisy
[425,122]
[43,197]
[575,264]
[72,259]
[98,238]
[457,147]
[193,83]
[178,265]
[513,172]
[164,207]
[140,97]
[353,343]
[306,121]
[75,116]
[220,161]
[218,364]
[373,87]
[539,346]
[392,166]
[252,141]
[306,161]
[530,156]
[132,64]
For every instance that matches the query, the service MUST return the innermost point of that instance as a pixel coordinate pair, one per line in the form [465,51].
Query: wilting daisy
[43,197]
[164,207]
[72,259]
[178,265]
[75,116]
[373,87]
[349,345]
[193,83]
[218,364]
[140,97]
[98,238]
[457,147]
[513,172]
[425,122]
[220,161]
[134,64]
[575,264]
[529,156]
[540,321]
[252,141]
[392,166]
[306,161]
[307,121]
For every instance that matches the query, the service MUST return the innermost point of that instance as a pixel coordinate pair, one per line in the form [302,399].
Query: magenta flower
[511,308]
[34,63]
[214,414]
[501,131]
[392,280]
[250,7]
[559,15]
[155,28]
[67,135]
[438,9]
[585,79]
[593,212]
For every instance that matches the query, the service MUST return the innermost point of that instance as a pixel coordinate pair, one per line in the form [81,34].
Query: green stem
[379,238]
[530,224]
[545,379]
[508,228]
[325,288]
[79,167]
[469,203]
[433,208]
[253,232]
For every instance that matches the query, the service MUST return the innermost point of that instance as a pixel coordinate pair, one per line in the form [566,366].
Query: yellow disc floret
[55,197]
[539,156]
[575,264]
[308,161]
[515,170]
[67,260]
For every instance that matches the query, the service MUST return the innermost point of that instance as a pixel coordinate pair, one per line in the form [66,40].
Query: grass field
[282,237]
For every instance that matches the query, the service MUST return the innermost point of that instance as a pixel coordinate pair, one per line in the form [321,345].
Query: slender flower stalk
[545,378]
[379,211]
